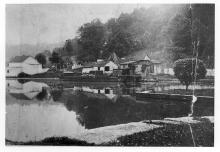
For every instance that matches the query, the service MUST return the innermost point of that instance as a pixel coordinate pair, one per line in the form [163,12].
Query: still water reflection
[36,110]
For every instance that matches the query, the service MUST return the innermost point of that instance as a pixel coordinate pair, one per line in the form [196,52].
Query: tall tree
[189,27]
[91,40]
[70,47]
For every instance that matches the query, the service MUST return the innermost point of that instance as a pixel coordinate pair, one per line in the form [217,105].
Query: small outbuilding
[24,64]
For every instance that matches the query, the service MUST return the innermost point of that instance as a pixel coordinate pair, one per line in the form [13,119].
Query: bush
[184,70]
[41,59]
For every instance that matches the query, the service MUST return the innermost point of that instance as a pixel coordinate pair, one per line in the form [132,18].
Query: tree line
[170,29]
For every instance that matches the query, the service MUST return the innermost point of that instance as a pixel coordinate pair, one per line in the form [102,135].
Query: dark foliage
[91,39]
[41,59]
[189,70]
[58,141]
[170,135]
[42,95]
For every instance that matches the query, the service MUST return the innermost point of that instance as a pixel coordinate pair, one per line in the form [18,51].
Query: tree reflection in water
[97,111]
[42,95]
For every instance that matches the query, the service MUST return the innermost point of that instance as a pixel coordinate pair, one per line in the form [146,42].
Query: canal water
[38,109]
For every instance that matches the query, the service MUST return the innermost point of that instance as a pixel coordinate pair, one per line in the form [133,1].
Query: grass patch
[170,135]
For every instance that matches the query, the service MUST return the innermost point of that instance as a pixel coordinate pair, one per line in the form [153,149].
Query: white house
[87,69]
[24,64]
[106,66]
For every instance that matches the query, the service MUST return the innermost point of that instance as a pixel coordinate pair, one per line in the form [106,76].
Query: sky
[54,23]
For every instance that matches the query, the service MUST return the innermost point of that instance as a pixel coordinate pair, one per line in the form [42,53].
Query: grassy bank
[170,135]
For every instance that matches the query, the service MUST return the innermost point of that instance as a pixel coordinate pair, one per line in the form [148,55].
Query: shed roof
[19,59]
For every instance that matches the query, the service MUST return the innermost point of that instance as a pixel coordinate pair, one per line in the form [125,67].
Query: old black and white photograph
[110,75]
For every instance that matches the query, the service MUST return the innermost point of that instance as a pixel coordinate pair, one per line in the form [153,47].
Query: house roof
[155,61]
[19,59]
[19,96]
[113,57]
[146,58]
[128,62]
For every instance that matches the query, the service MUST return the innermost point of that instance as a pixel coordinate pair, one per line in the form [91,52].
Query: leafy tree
[121,39]
[41,59]
[188,70]
[121,43]
[190,26]
[56,59]
[91,40]
[179,33]
[71,47]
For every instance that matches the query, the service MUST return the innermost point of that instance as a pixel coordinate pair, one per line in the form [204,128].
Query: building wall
[124,66]
[87,70]
[158,69]
[168,71]
[111,66]
[75,65]
[15,65]
[32,69]
[13,71]
[95,69]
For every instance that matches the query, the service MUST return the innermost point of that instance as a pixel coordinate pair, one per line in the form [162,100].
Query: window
[98,68]
[107,68]
[107,91]
[7,71]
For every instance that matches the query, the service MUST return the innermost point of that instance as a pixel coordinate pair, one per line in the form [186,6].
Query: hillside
[165,31]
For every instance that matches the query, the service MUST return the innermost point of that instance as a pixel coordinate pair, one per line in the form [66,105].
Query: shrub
[184,70]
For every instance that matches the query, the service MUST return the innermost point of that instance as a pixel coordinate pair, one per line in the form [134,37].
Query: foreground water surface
[38,109]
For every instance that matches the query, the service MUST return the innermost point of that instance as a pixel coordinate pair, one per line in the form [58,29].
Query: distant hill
[28,49]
